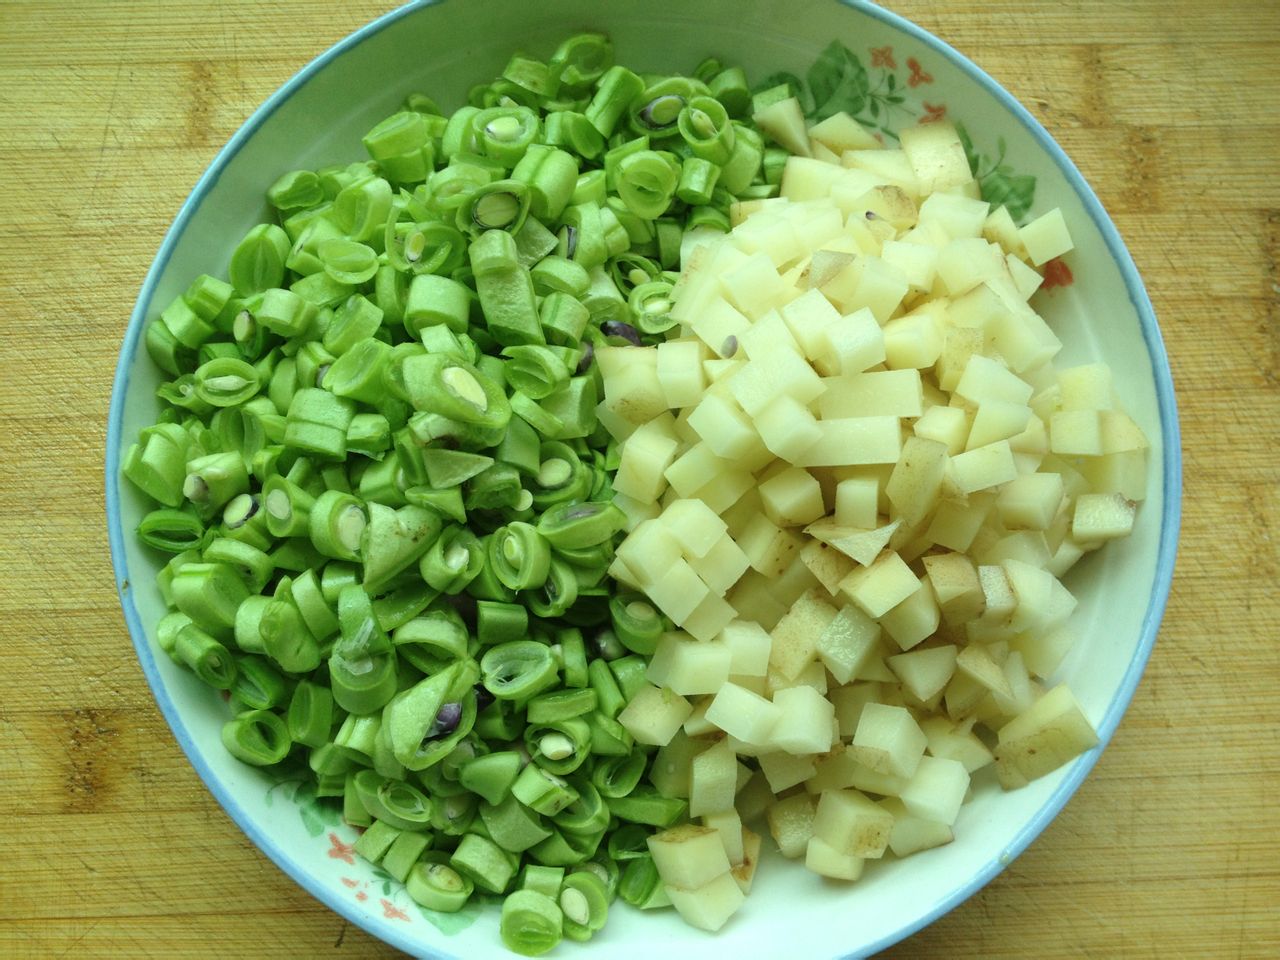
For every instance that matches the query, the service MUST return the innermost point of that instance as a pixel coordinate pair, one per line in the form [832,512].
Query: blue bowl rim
[1171,478]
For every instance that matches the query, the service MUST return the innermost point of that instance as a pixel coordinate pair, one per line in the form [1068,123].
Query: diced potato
[959,346]
[788,428]
[888,740]
[854,441]
[1031,501]
[955,584]
[851,345]
[759,382]
[956,523]
[632,391]
[849,701]
[795,637]
[688,856]
[1025,278]
[649,551]
[749,645]
[653,716]
[694,526]
[791,823]
[825,860]
[997,420]
[678,591]
[792,498]
[1076,433]
[888,166]
[722,566]
[646,455]
[1000,228]
[716,322]
[805,725]
[916,481]
[752,286]
[687,667]
[856,502]
[982,469]
[680,372]
[713,780]
[946,425]
[828,566]
[728,825]
[724,427]
[1102,516]
[958,215]
[708,907]
[967,262]
[976,661]
[925,672]
[1046,237]
[937,790]
[883,393]
[673,764]
[785,770]
[1051,732]
[840,132]
[913,341]
[1043,603]
[804,178]
[783,120]
[913,620]
[709,617]
[744,873]
[852,824]
[879,588]
[956,742]
[910,833]
[847,642]
[868,282]
[936,155]
[742,714]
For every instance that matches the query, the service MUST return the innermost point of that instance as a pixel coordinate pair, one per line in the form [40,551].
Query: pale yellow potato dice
[742,714]
[806,722]
[916,482]
[952,741]
[717,322]
[964,696]
[987,379]
[678,591]
[722,566]
[795,636]
[861,546]
[804,178]
[709,617]
[1102,516]
[673,763]
[698,726]
[1043,652]
[744,873]
[1052,731]
[816,225]
[852,824]
[913,341]
[975,661]
[813,675]
[784,122]
[946,425]
[753,286]
[654,716]
[847,642]
[981,469]
[913,620]
[714,780]
[826,861]
[856,502]
[1076,433]
[787,428]
[708,907]
[749,645]
[694,468]
[828,565]
[1120,434]
[1023,338]
[649,551]
[959,344]
[868,282]
[936,155]
[917,262]
[852,344]
[958,215]
[888,740]
[689,855]
[1025,278]
[848,701]
[633,392]
[1031,501]
[694,526]
[644,460]
[792,498]
[997,420]
[759,382]
[785,770]
[925,672]
[911,834]
[724,427]
[956,523]
[854,441]
[806,317]
[999,601]
[680,372]
[728,824]
[688,667]
[637,511]
[769,233]
[840,132]
[937,790]
[699,282]
[884,203]
[1025,691]
[955,584]
[791,823]
[883,585]
[769,548]
[879,393]
[1122,473]
[887,166]
[1046,237]
[1000,228]
[767,336]
[963,264]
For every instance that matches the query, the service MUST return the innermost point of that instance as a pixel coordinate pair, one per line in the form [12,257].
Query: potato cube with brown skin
[852,824]
[688,856]
[744,873]
[888,740]
[916,481]
[827,564]
[728,824]
[955,584]
[795,638]
[710,906]
[791,823]
[1049,733]
[1099,517]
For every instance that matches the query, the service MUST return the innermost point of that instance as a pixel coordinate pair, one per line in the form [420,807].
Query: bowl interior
[442,49]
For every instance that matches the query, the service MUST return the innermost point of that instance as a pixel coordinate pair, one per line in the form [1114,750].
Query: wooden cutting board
[109,112]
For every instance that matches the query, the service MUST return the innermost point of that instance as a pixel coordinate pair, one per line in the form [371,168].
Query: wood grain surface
[109,112]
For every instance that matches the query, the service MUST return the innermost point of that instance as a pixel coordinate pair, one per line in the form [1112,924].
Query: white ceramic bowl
[442,48]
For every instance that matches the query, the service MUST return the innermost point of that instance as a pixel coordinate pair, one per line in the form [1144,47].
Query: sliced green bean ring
[587,815]
[636,623]
[454,560]
[204,656]
[561,705]
[584,902]
[520,556]
[617,776]
[574,525]
[518,670]
[639,881]
[501,205]
[395,802]
[257,737]
[455,815]
[531,924]
[651,304]
[347,261]
[310,714]
[171,530]
[226,381]
[561,476]
[559,746]
[604,869]
[432,639]
[437,886]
